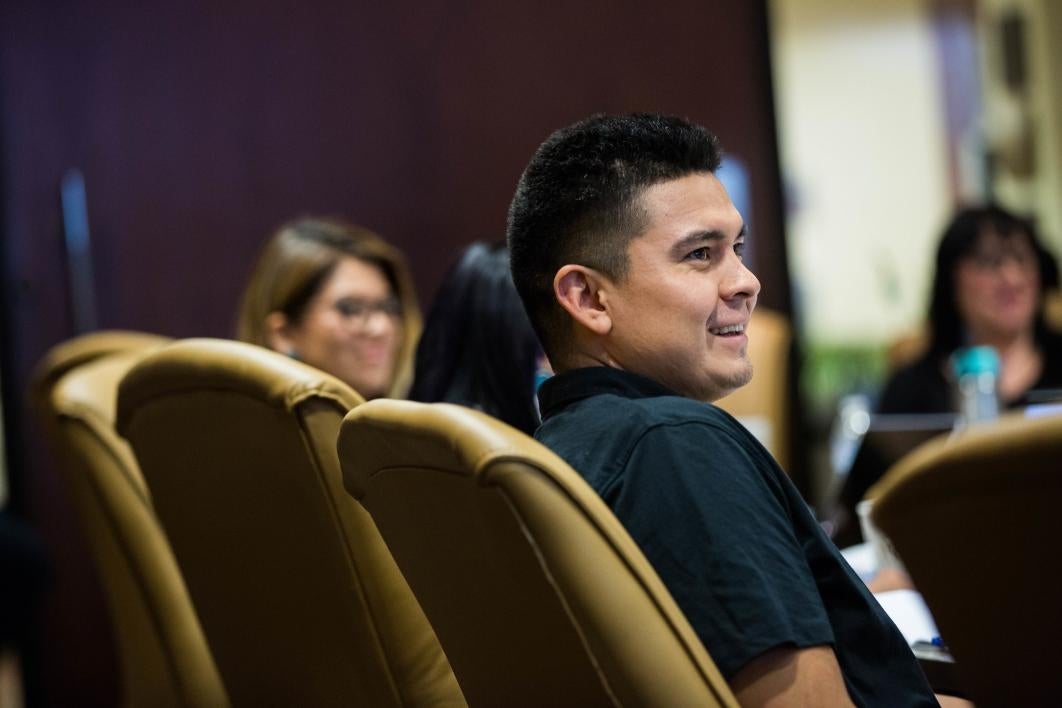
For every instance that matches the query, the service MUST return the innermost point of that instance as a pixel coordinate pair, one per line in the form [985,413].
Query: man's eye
[700,254]
[739,249]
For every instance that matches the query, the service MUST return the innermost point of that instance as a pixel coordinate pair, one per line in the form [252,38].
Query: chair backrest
[82,349]
[1053,309]
[976,519]
[298,595]
[162,653]
[537,593]
[762,405]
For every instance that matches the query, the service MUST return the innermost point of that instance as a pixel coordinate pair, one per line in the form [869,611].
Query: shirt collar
[576,384]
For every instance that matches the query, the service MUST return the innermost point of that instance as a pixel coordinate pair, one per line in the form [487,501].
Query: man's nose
[740,281]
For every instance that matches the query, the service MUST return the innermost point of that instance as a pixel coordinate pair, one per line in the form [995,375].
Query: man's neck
[582,359]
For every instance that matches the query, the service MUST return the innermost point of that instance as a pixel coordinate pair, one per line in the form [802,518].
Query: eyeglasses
[995,259]
[359,312]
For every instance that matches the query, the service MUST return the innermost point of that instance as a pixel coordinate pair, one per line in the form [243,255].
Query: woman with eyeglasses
[992,275]
[989,288]
[337,297]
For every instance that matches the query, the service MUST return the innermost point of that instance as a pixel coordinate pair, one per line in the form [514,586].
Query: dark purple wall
[201,126]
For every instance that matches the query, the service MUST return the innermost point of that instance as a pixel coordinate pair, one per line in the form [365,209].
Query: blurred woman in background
[992,276]
[478,348]
[339,298]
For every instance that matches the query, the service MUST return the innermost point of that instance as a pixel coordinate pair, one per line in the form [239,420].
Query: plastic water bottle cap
[975,360]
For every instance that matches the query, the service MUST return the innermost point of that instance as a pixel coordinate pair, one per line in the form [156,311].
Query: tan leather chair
[82,349]
[300,600]
[762,405]
[163,657]
[536,591]
[976,519]
[1053,309]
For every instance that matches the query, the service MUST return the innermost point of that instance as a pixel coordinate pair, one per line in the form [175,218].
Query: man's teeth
[730,329]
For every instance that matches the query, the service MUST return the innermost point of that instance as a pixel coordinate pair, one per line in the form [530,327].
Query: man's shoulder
[613,426]
[668,411]
[628,414]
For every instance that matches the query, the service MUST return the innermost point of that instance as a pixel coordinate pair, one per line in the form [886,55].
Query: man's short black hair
[578,202]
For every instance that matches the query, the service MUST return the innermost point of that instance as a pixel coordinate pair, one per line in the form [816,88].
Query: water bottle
[851,424]
[976,371]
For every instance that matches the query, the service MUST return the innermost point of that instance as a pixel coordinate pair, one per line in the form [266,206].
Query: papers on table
[908,610]
[863,559]
[905,608]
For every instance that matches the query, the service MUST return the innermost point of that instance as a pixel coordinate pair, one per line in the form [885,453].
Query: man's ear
[578,290]
[278,333]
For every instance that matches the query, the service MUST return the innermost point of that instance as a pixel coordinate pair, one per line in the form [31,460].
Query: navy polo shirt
[725,529]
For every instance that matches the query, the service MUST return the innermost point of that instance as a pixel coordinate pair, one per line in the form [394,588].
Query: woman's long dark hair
[947,330]
[478,348]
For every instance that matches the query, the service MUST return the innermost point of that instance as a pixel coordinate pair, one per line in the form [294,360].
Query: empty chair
[298,596]
[976,521]
[163,657]
[537,593]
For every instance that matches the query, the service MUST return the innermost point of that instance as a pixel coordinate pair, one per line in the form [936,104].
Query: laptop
[889,437]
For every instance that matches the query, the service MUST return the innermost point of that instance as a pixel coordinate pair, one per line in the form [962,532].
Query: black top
[923,387]
[725,529]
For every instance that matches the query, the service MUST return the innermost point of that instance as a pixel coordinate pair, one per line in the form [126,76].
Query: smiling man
[627,252]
